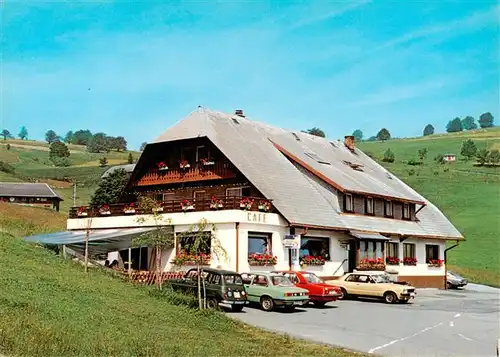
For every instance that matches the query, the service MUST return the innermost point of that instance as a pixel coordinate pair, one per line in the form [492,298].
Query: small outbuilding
[449,157]
[32,194]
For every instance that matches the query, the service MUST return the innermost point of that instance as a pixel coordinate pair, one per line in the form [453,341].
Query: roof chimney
[349,142]
[239,112]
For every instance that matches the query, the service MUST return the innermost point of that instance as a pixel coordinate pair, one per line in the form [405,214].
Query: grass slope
[50,307]
[467,195]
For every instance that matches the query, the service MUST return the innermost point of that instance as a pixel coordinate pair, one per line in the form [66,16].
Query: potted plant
[183,258]
[371,264]
[264,206]
[409,261]
[262,259]
[162,166]
[159,208]
[207,162]
[312,260]
[246,203]
[129,209]
[187,205]
[184,164]
[392,261]
[82,212]
[435,263]
[216,203]
[104,210]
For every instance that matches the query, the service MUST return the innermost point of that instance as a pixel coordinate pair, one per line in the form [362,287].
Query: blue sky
[134,69]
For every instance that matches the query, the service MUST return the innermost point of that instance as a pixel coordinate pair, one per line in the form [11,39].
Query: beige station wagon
[373,284]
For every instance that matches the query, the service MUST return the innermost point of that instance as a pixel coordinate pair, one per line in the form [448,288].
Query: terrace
[254,204]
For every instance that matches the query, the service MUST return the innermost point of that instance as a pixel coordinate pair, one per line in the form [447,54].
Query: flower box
[187,206]
[129,209]
[184,258]
[262,259]
[410,261]
[312,260]
[82,212]
[184,164]
[162,166]
[392,261]
[207,162]
[264,206]
[216,203]
[157,209]
[246,203]
[371,264]
[104,210]
[435,263]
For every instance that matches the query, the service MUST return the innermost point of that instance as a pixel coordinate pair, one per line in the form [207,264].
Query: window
[352,278]
[214,279]
[168,197]
[201,153]
[348,205]
[369,205]
[409,257]
[186,242]
[238,192]
[293,278]
[431,252]
[388,209]
[233,279]
[315,246]
[259,243]
[406,211]
[370,249]
[260,280]
[198,195]
[316,158]
[392,250]
[363,279]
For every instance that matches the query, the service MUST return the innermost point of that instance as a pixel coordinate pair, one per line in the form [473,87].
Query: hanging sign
[291,241]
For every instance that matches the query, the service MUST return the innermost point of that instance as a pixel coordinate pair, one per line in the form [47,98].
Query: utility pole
[74,194]
[87,234]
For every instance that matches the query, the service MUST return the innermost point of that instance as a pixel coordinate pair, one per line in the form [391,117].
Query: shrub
[61,161]
[422,154]
[414,162]
[468,149]
[482,156]
[8,146]
[103,161]
[7,168]
[411,172]
[388,156]
[494,157]
[439,159]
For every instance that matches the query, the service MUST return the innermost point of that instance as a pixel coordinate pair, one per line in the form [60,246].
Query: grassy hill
[468,195]
[50,307]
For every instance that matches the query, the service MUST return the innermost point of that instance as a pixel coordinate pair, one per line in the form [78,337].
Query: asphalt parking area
[437,323]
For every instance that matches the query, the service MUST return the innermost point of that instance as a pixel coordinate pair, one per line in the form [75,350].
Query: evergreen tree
[428,130]
[110,188]
[468,149]
[23,133]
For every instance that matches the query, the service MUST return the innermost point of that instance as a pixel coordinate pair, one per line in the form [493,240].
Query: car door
[256,288]
[363,285]
[350,284]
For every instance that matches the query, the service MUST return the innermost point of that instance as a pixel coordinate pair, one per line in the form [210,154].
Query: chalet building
[287,198]
[33,194]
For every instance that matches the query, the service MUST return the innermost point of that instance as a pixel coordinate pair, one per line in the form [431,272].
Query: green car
[273,290]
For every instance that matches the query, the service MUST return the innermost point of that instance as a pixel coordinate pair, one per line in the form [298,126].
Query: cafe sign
[291,241]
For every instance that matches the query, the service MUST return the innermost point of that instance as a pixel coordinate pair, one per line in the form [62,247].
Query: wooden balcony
[200,172]
[174,206]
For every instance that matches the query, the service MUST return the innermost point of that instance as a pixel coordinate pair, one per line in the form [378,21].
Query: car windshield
[281,281]
[312,278]
[382,278]
[233,279]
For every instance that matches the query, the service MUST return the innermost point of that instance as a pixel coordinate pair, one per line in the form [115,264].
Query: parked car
[454,281]
[272,290]
[319,292]
[373,284]
[223,287]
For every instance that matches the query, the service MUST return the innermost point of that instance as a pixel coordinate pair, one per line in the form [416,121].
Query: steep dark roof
[8,189]
[129,168]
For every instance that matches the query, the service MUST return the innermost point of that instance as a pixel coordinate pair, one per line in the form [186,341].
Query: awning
[368,235]
[100,240]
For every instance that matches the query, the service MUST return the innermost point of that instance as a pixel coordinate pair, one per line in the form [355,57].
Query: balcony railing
[175,206]
[199,172]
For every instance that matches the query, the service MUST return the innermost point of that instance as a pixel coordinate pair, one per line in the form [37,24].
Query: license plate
[298,302]
[332,292]
[237,294]
[412,294]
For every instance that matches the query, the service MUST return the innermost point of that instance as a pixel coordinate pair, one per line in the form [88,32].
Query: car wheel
[319,303]
[343,295]
[236,308]
[212,303]
[449,285]
[390,297]
[266,303]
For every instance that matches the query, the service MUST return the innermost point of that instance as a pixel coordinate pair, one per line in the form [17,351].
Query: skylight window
[317,158]
[357,167]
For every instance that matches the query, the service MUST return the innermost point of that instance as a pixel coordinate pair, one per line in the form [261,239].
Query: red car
[319,292]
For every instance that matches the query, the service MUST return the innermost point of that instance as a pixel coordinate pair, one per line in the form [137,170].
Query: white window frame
[199,191]
[389,212]
[406,211]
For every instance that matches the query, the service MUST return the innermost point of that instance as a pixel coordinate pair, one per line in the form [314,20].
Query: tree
[358,135]
[372,138]
[454,126]
[422,154]
[468,149]
[6,134]
[316,132]
[428,130]
[196,246]
[50,136]
[388,156]
[160,238]
[468,123]
[58,149]
[97,143]
[383,134]
[103,161]
[439,159]
[23,133]
[120,144]
[130,159]
[143,145]
[61,161]
[486,120]
[482,156]
[81,137]
[110,188]
[68,138]
[494,157]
